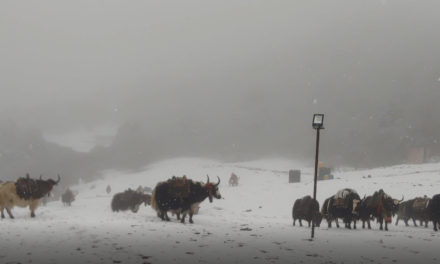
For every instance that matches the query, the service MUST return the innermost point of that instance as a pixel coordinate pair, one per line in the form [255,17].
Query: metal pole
[316,177]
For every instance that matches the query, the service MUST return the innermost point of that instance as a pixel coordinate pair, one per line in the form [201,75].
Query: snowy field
[251,224]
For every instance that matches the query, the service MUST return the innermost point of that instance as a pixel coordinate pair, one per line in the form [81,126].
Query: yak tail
[153,201]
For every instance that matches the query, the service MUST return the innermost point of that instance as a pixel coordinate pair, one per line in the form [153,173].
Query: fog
[229,79]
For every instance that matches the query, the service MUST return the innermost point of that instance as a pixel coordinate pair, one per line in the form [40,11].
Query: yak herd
[350,208]
[182,196]
[178,195]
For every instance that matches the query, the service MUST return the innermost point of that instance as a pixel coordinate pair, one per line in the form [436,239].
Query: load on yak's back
[341,205]
[182,195]
[24,192]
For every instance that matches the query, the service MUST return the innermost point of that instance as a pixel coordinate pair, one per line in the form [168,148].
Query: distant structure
[294,176]
[108,189]
[324,173]
[417,155]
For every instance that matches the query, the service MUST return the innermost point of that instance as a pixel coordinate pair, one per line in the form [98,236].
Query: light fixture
[318,121]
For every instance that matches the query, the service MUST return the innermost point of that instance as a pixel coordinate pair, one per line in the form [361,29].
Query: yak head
[45,186]
[356,203]
[391,205]
[396,205]
[318,219]
[212,189]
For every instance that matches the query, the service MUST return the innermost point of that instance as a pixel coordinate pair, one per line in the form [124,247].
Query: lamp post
[318,124]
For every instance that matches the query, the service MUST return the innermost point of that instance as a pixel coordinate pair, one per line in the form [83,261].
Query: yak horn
[41,176]
[59,178]
[402,199]
[207,176]
[218,181]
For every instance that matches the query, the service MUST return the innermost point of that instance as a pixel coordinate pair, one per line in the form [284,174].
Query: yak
[129,199]
[341,205]
[233,180]
[380,206]
[67,197]
[365,215]
[434,210]
[307,209]
[183,195]
[24,192]
[415,209]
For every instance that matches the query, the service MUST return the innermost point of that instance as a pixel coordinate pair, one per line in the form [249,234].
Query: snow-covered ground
[251,224]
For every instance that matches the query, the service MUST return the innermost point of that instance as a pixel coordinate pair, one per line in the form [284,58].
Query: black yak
[182,195]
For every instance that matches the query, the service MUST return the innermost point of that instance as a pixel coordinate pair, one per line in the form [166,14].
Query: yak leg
[337,222]
[368,222]
[386,225]
[309,223]
[434,222]
[406,221]
[414,221]
[300,223]
[354,224]
[178,215]
[426,223]
[380,220]
[160,215]
[33,206]
[8,204]
[184,213]
[191,217]
[348,224]
[8,210]
[163,215]
[363,224]
[294,220]
[3,213]
[182,219]
[329,222]
[397,220]
[166,216]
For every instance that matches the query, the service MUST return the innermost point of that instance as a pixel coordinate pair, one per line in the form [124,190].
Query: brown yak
[24,192]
